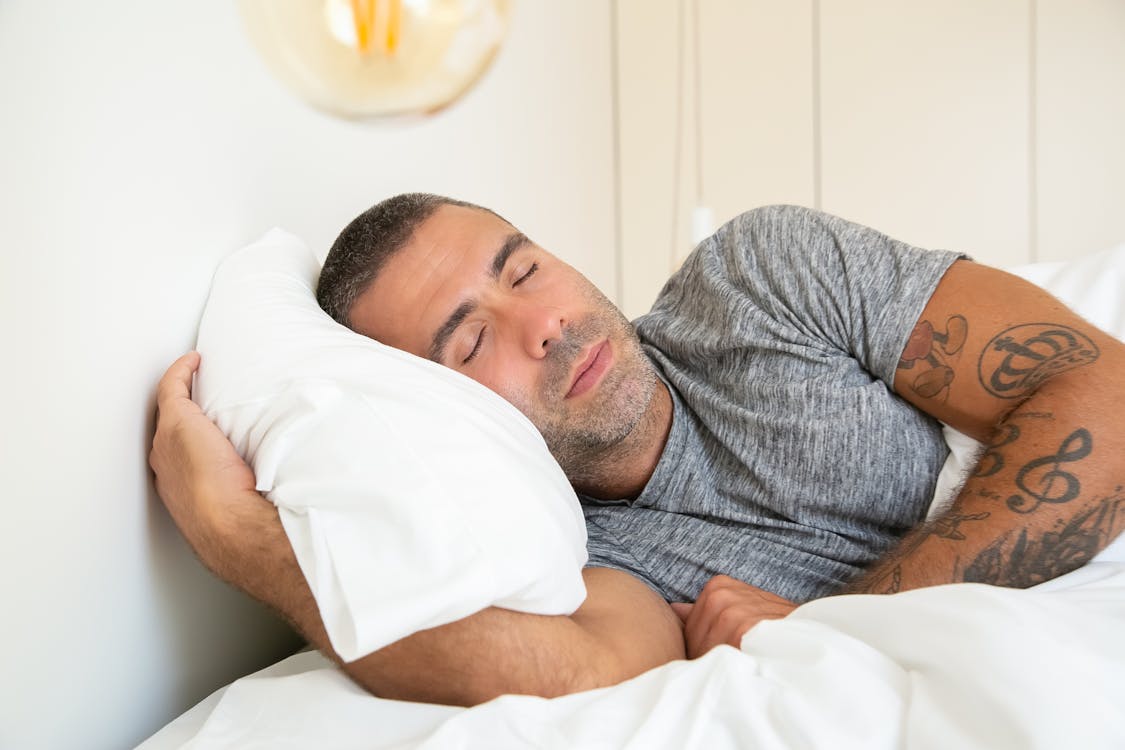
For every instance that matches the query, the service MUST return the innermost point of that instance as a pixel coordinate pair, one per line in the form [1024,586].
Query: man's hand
[197,470]
[725,610]
[209,492]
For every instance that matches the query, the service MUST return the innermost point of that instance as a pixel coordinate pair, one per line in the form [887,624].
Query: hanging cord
[677,149]
[615,96]
[697,69]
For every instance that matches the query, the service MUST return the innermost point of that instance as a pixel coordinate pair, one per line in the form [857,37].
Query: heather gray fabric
[791,464]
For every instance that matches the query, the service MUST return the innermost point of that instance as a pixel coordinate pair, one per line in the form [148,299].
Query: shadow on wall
[212,633]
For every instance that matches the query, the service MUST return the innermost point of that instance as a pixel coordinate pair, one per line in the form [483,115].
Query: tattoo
[895,584]
[1031,561]
[946,526]
[1016,361]
[1044,479]
[930,350]
[885,580]
[890,581]
[992,460]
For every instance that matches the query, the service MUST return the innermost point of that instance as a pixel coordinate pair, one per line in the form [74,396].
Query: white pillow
[412,495]
[1094,287]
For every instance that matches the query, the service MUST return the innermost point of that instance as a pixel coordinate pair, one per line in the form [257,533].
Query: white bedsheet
[958,666]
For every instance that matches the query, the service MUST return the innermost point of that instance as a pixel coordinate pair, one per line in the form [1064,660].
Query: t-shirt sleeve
[827,279]
[607,550]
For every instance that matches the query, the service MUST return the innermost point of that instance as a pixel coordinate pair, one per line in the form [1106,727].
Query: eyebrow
[440,340]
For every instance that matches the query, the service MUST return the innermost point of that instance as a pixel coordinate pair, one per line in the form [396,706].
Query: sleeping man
[766,435]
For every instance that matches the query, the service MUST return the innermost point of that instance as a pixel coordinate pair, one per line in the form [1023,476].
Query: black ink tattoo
[884,580]
[1031,561]
[895,584]
[1018,360]
[946,526]
[992,460]
[889,581]
[988,566]
[1044,479]
[930,350]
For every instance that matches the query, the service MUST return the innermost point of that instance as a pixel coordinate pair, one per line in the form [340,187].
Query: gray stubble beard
[589,444]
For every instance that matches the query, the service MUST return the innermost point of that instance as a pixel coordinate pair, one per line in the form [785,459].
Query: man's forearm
[1045,497]
[622,630]
[1001,360]
[251,551]
[246,546]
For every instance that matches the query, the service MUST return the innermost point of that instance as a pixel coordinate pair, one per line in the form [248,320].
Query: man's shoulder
[777,216]
[753,241]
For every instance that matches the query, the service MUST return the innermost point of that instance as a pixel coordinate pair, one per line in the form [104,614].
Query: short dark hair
[358,254]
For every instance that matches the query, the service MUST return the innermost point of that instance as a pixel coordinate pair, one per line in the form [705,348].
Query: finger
[730,628]
[716,631]
[682,610]
[709,607]
[716,610]
[176,382]
[696,628]
[706,636]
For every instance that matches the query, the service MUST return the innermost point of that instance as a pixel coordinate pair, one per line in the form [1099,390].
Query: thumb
[682,610]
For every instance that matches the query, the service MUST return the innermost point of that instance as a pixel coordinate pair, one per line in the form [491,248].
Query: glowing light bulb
[370,58]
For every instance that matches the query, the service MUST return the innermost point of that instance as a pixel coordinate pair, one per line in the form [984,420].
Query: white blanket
[958,666]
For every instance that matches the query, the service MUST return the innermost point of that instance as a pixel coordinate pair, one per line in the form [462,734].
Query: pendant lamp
[376,58]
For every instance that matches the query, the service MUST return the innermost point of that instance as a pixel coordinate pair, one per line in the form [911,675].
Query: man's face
[470,292]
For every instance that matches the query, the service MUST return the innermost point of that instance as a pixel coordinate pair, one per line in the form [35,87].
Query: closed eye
[476,348]
[530,272]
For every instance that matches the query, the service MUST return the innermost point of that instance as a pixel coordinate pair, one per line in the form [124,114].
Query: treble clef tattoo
[992,460]
[1075,447]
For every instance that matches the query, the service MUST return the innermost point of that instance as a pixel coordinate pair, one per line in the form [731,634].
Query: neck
[623,470]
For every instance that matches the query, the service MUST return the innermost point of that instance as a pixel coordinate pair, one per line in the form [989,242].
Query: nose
[540,327]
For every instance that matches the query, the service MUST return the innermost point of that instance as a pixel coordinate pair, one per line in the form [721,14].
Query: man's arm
[621,630]
[1000,359]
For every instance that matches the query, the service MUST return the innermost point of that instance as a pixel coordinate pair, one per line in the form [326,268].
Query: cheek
[514,384]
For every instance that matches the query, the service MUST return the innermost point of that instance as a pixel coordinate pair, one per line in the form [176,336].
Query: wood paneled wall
[993,127]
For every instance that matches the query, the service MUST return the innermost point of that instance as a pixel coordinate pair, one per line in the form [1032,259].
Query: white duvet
[958,666]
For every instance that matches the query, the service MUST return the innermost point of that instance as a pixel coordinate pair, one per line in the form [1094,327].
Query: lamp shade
[374,58]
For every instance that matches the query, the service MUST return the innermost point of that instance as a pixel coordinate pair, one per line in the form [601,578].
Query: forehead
[444,261]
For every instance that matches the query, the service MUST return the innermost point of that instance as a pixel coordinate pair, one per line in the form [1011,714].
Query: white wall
[989,127]
[924,121]
[1080,123]
[139,143]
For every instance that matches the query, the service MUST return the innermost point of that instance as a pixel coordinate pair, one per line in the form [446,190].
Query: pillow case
[1094,287]
[412,495]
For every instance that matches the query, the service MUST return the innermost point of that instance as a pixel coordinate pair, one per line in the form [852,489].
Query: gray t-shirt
[791,464]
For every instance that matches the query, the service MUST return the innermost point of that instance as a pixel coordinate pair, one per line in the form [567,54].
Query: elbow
[468,689]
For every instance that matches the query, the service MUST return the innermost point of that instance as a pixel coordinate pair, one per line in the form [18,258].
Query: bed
[964,665]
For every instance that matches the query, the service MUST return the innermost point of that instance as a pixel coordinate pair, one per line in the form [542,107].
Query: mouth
[591,369]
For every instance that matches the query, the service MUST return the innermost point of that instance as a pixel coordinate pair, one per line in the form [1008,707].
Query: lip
[590,370]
